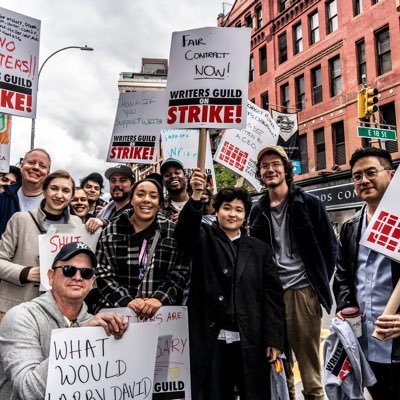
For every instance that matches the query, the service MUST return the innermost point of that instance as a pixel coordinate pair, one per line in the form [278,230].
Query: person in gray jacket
[25,331]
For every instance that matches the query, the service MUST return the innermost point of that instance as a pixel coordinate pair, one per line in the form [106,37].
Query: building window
[282,48]
[281,5]
[361,61]
[374,2]
[338,143]
[238,25]
[297,39]
[382,39]
[259,17]
[303,154]
[320,153]
[251,69]
[314,27]
[316,82]
[248,21]
[300,94]
[357,7]
[387,115]
[263,59]
[335,75]
[285,99]
[265,101]
[331,13]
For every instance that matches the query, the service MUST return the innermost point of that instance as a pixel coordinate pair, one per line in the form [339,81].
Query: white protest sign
[182,144]
[238,149]
[383,232]
[19,60]
[172,367]
[5,142]
[208,78]
[57,236]
[85,363]
[136,133]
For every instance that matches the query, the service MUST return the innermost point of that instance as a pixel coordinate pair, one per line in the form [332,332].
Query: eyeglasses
[274,166]
[370,174]
[69,271]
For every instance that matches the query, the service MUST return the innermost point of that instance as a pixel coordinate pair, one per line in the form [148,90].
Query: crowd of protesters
[254,278]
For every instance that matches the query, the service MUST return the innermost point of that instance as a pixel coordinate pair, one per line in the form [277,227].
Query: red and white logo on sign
[233,156]
[386,232]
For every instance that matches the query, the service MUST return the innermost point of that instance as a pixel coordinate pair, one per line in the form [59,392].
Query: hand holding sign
[113,323]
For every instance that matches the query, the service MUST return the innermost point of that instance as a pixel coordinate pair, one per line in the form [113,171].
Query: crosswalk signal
[370,101]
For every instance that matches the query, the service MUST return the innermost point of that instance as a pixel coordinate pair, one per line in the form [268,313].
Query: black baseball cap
[120,169]
[72,249]
[170,162]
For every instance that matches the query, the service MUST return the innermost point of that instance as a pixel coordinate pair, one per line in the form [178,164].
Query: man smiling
[27,194]
[25,332]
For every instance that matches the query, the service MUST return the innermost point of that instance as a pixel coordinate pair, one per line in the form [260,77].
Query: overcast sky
[78,90]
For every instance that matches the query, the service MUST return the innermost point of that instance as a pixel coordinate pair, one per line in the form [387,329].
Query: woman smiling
[19,247]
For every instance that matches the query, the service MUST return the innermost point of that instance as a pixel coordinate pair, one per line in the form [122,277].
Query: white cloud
[78,90]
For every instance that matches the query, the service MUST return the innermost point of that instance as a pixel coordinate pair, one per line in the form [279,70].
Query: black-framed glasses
[69,271]
[370,174]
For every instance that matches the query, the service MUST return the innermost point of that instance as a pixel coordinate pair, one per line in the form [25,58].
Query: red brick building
[309,56]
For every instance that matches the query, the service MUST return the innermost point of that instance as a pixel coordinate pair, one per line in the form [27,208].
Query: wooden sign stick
[201,154]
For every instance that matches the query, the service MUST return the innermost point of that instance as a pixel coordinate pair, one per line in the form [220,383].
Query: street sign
[376,133]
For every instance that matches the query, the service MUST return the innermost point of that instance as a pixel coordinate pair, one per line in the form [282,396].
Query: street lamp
[84,48]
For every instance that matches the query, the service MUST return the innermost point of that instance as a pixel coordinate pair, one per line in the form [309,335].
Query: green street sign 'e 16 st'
[376,133]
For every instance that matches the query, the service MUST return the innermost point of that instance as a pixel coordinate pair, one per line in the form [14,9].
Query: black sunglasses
[69,271]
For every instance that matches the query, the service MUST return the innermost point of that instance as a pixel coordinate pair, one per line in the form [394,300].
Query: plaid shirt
[166,275]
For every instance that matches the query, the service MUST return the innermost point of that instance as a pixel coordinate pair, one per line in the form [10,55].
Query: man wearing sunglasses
[365,279]
[25,331]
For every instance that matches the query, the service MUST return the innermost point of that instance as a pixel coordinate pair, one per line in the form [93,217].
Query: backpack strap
[41,230]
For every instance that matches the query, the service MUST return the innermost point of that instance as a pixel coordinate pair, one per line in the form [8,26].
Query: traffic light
[366,102]
[370,101]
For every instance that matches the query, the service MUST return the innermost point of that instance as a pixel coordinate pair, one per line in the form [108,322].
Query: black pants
[388,381]
[225,373]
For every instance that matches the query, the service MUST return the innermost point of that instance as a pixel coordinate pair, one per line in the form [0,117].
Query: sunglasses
[69,271]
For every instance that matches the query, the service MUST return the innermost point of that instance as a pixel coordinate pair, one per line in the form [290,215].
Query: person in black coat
[235,304]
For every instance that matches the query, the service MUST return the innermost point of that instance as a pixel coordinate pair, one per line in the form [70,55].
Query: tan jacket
[19,248]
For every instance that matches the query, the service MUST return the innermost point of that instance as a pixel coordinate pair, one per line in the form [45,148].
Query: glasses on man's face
[69,271]
[370,174]
[274,166]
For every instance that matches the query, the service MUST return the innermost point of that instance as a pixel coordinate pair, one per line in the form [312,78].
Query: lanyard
[144,258]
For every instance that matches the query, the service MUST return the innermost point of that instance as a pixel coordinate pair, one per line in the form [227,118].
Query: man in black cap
[25,331]
[121,180]
[93,186]
[175,182]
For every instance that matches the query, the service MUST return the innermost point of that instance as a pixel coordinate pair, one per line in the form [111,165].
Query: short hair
[94,176]
[156,184]
[287,164]
[231,193]
[41,151]
[60,173]
[384,156]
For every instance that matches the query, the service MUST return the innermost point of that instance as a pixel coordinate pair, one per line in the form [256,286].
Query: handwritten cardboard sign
[5,142]
[172,366]
[136,133]
[57,236]
[85,363]
[182,144]
[238,149]
[383,232]
[208,76]
[19,59]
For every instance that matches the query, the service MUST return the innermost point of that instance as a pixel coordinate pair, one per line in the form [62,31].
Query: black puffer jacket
[343,284]
[313,233]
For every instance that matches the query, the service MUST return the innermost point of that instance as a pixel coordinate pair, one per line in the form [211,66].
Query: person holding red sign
[235,304]
[19,247]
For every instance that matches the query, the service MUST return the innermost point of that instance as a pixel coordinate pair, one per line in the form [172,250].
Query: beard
[120,197]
